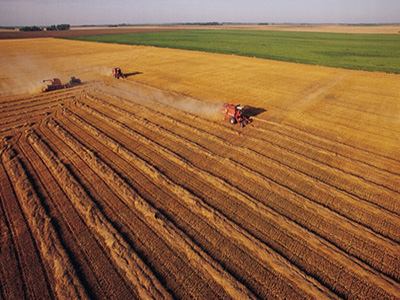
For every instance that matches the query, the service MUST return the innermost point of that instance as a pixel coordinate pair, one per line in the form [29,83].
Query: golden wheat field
[137,189]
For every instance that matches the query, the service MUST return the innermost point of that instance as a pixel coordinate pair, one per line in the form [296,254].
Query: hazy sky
[80,12]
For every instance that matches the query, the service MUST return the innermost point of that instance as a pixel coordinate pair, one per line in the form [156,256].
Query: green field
[370,52]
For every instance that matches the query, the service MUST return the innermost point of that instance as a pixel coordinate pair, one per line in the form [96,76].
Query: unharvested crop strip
[351,153]
[195,204]
[67,283]
[370,241]
[146,284]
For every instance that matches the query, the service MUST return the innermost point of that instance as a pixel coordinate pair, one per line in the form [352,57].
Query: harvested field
[136,189]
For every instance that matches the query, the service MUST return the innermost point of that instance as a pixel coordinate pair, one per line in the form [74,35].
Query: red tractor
[118,73]
[235,114]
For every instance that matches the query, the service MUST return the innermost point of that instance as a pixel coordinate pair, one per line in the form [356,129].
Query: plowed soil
[136,189]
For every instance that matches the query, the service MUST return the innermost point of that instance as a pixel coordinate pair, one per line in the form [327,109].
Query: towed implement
[235,114]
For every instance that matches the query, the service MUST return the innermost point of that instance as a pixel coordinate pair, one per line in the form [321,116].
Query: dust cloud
[187,104]
[24,74]
[137,91]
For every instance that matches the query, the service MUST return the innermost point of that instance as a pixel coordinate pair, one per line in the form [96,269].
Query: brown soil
[136,189]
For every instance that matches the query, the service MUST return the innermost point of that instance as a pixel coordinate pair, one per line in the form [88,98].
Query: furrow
[354,185]
[226,251]
[349,165]
[90,257]
[366,240]
[164,227]
[345,148]
[15,279]
[147,286]
[354,271]
[366,215]
[68,285]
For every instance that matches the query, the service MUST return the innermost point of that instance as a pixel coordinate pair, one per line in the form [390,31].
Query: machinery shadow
[251,111]
[132,74]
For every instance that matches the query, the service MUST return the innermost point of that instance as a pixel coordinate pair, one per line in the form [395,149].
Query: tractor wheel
[232,120]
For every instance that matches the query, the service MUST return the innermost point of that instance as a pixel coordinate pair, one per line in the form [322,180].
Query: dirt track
[136,189]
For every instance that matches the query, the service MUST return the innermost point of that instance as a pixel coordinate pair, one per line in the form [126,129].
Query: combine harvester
[235,114]
[55,84]
[118,73]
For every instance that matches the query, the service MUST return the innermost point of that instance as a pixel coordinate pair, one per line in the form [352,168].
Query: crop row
[326,176]
[386,225]
[196,205]
[319,165]
[68,285]
[347,161]
[136,271]
[16,269]
[147,124]
[167,230]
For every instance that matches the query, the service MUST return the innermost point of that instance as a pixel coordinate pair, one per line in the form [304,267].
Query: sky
[98,12]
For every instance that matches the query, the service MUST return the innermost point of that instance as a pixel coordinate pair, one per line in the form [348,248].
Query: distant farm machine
[235,114]
[55,84]
[118,73]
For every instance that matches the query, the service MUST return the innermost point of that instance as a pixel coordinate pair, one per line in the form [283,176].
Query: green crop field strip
[370,52]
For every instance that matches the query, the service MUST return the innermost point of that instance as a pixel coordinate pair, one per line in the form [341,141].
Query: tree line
[50,28]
